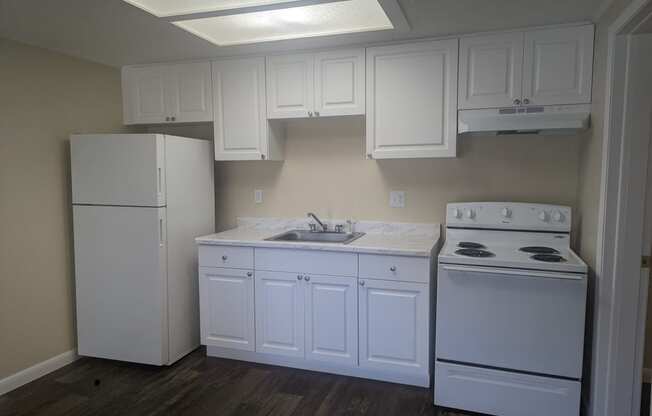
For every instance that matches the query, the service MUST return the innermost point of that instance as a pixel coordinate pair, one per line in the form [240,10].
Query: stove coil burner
[468,244]
[539,250]
[548,258]
[474,252]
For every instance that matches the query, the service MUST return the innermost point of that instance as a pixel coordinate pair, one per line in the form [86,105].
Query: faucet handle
[313,227]
[339,228]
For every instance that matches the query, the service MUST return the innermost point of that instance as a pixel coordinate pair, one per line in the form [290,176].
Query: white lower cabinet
[332,319]
[280,301]
[284,313]
[394,326]
[226,304]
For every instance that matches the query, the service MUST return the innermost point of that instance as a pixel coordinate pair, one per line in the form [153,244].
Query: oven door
[514,319]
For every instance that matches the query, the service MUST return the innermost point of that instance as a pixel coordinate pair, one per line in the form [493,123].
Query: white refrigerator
[139,200]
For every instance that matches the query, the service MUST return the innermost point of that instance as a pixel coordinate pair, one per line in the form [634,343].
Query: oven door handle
[522,273]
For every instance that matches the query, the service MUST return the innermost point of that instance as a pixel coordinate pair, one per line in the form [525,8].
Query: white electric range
[511,300]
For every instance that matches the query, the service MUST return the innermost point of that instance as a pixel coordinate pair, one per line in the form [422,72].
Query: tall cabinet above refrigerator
[139,200]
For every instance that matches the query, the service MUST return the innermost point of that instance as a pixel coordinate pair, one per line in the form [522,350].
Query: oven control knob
[470,214]
[506,212]
[457,213]
[543,216]
[558,216]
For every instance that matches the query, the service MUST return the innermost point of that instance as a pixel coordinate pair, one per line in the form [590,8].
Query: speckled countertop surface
[403,239]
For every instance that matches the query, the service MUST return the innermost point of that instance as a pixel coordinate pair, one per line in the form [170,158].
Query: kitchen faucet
[323,226]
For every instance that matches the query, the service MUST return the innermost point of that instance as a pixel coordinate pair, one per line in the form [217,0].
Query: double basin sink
[316,236]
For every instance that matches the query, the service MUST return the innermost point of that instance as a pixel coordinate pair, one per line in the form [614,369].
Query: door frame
[620,304]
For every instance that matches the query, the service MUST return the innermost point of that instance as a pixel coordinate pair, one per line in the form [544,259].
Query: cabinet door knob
[517,102]
[361,282]
[173,118]
[317,113]
[307,278]
[392,269]
[167,118]
[309,113]
[526,101]
[224,258]
[249,274]
[299,277]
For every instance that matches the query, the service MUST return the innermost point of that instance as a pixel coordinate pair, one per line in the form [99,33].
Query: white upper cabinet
[290,86]
[539,67]
[180,93]
[312,85]
[242,131]
[558,66]
[339,83]
[490,70]
[412,100]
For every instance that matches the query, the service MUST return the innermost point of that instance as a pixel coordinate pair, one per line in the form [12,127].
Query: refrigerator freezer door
[118,169]
[121,283]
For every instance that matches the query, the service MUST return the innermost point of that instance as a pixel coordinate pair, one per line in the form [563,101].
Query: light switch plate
[397,199]
[258,196]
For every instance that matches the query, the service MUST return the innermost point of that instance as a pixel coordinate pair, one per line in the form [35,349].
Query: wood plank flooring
[200,385]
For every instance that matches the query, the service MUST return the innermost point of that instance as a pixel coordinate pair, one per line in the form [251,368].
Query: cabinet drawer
[402,268]
[307,261]
[226,256]
[502,393]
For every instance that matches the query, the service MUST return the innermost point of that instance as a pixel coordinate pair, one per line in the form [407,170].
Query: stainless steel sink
[316,236]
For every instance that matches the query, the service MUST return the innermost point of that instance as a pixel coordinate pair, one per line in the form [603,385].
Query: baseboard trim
[36,371]
[647,375]
[414,379]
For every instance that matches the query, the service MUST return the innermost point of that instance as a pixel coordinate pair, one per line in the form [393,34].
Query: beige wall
[45,97]
[324,171]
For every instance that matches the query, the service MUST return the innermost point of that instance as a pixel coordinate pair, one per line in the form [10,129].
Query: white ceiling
[115,33]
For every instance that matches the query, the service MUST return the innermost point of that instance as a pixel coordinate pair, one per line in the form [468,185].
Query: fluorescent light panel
[291,23]
[165,8]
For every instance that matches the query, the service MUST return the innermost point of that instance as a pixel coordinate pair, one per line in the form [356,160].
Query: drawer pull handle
[224,258]
[307,278]
[361,282]
[299,277]
[249,274]
[392,269]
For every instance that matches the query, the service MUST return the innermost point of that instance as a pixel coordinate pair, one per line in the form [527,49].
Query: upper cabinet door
[144,94]
[240,120]
[558,66]
[290,86]
[189,92]
[339,83]
[412,100]
[491,70]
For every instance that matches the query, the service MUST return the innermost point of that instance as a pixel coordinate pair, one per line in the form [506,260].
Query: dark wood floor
[199,385]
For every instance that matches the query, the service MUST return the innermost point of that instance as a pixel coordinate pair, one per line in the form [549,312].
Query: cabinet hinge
[645,262]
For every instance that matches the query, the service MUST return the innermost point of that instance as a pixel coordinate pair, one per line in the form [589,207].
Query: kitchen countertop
[403,239]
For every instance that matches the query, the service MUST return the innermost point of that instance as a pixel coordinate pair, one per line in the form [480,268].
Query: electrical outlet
[397,199]
[258,196]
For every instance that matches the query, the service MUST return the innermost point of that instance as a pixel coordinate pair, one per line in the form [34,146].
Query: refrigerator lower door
[121,283]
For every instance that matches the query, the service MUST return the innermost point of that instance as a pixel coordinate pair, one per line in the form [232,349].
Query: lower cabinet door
[332,319]
[280,313]
[226,304]
[394,326]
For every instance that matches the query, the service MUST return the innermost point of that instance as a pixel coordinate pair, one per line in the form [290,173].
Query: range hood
[558,119]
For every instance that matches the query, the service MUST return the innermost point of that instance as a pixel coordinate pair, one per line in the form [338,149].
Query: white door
[226,308]
[144,97]
[557,66]
[121,283]
[491,69]
[240,120]
[412,100]
[290,86]
[513,319]
[394,325]
[339,83]
[118,169]
[332,319]
[189,92]
[279,313]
